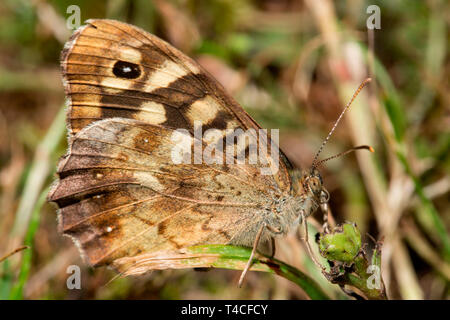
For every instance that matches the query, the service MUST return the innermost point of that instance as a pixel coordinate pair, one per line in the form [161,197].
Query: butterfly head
[313,185]
[309,185]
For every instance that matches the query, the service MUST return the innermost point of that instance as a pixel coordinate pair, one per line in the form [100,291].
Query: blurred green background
[292,65]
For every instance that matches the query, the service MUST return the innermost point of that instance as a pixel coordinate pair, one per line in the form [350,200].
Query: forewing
[112,69]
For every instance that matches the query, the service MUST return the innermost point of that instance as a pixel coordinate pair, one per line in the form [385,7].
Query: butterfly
[119,192]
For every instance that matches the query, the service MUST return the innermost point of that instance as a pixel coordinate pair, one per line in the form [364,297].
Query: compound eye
[314,184]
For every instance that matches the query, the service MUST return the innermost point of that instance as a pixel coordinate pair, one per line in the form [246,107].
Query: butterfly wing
[121,195]
[119,192]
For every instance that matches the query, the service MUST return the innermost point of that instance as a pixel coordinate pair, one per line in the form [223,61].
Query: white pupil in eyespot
[126,69]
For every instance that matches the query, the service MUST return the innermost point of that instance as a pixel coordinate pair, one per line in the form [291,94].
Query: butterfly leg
[325,196]
[272,247]
[274,231]
[311,253]
[250,260]
[325,226]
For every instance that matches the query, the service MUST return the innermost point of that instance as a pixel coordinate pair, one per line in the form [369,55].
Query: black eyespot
[127,70]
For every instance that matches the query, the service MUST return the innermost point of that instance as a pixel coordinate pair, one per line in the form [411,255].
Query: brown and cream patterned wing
[120,194]
[113,69]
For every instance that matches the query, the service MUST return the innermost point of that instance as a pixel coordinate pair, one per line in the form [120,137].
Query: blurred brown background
[292,65]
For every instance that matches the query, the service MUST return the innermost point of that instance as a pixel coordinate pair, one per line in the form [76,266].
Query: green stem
[232,257]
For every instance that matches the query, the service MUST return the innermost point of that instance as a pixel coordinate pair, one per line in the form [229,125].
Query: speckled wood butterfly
[120,194]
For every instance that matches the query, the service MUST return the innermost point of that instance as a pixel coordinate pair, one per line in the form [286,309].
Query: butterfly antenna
[361,86]
[343,154]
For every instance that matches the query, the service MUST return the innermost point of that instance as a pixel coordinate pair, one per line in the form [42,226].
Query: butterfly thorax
[306,196]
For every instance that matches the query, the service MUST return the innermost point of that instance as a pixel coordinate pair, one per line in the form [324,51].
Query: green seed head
[342,244]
